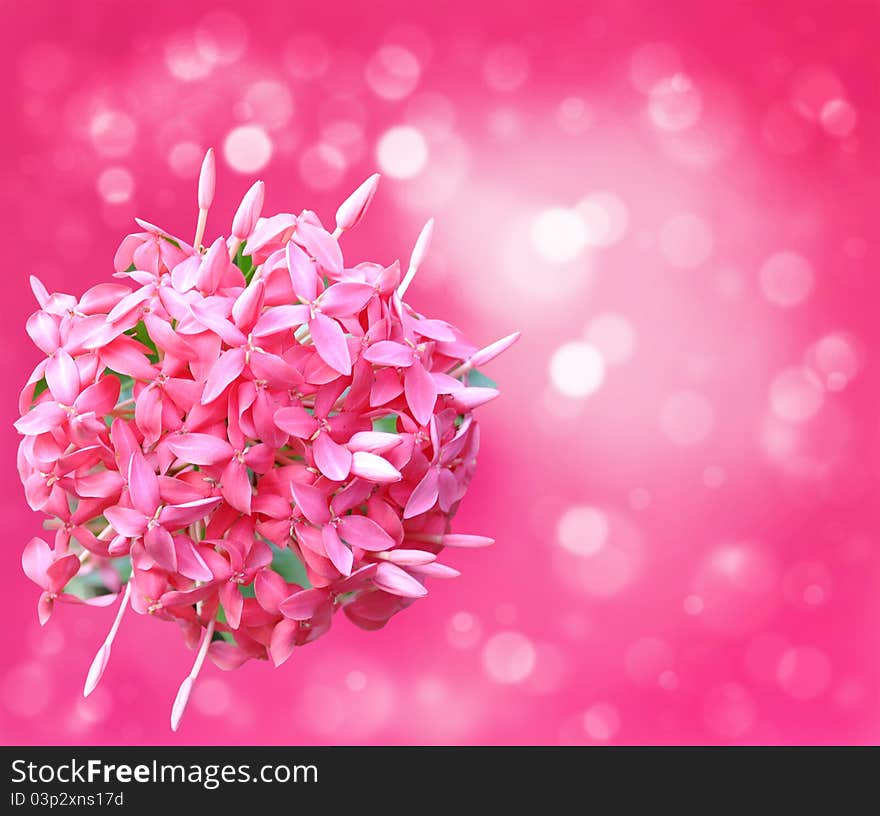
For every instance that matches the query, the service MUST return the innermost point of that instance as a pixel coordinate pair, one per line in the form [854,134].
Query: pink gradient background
[684,500]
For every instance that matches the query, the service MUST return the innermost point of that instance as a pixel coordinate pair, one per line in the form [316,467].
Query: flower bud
[423,242]
[248,211]
[353,208]
[207,180]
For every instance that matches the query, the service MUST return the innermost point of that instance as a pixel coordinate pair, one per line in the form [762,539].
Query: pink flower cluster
[246,438]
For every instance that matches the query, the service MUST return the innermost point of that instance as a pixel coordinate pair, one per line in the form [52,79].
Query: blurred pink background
[676,203]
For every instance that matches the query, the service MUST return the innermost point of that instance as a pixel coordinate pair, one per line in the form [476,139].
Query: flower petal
[322,246]
[270,589]
[332,459]
[389,353]
[303,605]
[227,368]
[312,503]
[373,441]
[148,414]
[434,329]
[236,487]
[421,393]
[469,541]
[182,515]
[127,522]
[397,581]
[211,314]
[35,560]
[277,319]
[491,351]
[303,275]
[424,497]
[345,299]
[296,421]
[41,418]
[43,330]
[373,467]
[339,554]
[190,563]
[470,397]
[200,448]
[283,641]
[232,601]
[143,484]
[409,558]
[160,547]
[62,377]
[363,532]
[330,343]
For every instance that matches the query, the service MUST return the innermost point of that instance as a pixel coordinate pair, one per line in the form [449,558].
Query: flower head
[258,433]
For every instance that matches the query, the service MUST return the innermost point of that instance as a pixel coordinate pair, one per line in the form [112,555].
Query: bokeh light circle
[322,166]
[804,672]
[730,711]
[601,560]
[834,360]
[463,630]
[306,56]
[113,133]
[402,152]
[26,689]
[506,67]
[614,337]
[268,103]
[393,72]
[602,722]
[247,149]
[582,530]
[577,369]
[651,63]
[647,660]
[734,588]
[221,38]
[838,118]
[675,103]
[686,418]
[558,234]
[508,657]
[185,159]
[115,185]
[786,278]
[686,240]
[795,396]
[605,218]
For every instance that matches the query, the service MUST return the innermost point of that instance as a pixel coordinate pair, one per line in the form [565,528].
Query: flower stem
[96,670]
[200,228]
[186,686]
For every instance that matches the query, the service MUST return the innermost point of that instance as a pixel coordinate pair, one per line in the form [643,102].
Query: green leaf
[386,424]
[126,384]
[479,379]
[123,567]
[289,567]
[140,333]
[244,262]
[40,387]
[90,585]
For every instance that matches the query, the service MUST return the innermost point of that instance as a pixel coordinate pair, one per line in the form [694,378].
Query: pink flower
[52,572]
[262,433]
